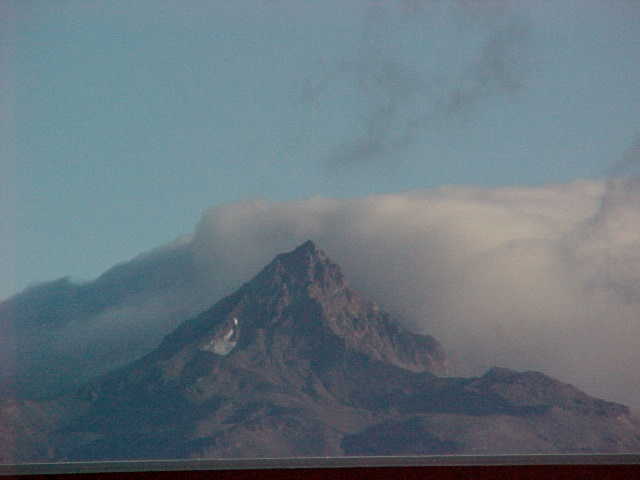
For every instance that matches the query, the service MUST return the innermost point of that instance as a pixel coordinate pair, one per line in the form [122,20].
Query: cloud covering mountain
[541,278]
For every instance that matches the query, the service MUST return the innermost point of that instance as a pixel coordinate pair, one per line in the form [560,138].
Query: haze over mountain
[539,278]
[296,363]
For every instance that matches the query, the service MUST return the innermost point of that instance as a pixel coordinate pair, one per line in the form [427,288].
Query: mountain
[56,335]
[296,363]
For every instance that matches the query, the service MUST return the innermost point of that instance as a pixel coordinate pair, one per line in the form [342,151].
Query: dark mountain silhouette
[296,363]
[37,323]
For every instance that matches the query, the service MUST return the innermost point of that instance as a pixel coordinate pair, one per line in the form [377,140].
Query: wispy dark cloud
[622,186]
[399,99]
[629,164]
[496,72]
[392,88]
[611,233]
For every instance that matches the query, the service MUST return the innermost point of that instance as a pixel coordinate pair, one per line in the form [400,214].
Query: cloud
[400,94]
[625,174]
[607,235]
[495,72]
[501,276]
[528,278]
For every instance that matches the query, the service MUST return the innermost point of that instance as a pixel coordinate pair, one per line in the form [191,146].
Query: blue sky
[122,121]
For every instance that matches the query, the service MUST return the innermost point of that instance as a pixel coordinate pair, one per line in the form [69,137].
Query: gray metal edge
[316,462]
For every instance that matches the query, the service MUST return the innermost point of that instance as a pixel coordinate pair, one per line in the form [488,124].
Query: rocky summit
[296,363]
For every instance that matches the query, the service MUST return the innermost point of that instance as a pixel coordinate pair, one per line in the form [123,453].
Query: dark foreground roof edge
[317,462]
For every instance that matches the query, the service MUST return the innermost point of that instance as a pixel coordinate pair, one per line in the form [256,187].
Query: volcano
[296,363]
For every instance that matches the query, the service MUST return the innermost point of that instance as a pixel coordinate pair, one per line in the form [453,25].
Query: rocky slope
[296,363]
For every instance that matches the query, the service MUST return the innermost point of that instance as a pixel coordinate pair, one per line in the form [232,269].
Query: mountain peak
[296,299]
[306,254]
[306,267]
[308,246]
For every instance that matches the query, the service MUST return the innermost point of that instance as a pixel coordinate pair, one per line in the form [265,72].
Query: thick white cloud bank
[544,278]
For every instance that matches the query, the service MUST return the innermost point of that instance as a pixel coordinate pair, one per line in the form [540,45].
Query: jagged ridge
[297,363]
